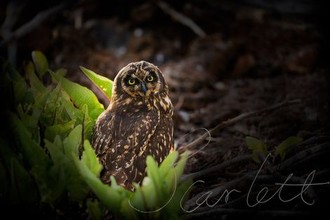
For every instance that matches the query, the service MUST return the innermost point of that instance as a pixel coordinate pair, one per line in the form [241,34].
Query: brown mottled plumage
[137,123]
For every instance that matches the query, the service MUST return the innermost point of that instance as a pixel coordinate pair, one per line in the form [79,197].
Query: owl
[137,123]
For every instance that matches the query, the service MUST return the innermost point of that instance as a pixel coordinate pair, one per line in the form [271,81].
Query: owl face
[139,79]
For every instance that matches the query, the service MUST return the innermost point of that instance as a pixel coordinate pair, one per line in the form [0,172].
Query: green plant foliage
[49,160]
[80,96]
[11,184]
[109,196]
[286,146]
[22,93]
[40,62]
[159,195]
[103,83]
[94,209]
[257,146]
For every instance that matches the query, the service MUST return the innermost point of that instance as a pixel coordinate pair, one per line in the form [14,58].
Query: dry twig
[217,168]
[181,18]
[32,24]
[305,156]
[239,118]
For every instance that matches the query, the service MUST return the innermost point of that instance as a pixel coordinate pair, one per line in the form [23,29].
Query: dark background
[254,54]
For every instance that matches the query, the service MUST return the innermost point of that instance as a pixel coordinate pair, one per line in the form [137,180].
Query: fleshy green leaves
[52,153]
[159,195]
[103,83]
[90,159]
[89,168]
[257,146]
[51,124]
[81,96]
[259,149]
[161,191]
[286,146]
[40,63]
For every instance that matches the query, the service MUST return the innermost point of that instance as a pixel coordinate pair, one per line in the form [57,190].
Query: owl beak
[144,87]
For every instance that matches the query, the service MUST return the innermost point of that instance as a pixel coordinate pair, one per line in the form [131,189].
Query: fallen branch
[217,168]
[181,18]
[239,118]
[32,24]
[305,156]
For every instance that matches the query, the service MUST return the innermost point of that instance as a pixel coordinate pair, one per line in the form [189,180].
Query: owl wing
[120,141]
[103,133]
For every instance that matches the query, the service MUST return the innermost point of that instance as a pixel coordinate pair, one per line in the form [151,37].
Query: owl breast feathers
[137,123]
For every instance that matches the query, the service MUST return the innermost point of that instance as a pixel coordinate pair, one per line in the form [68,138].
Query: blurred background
[251,53]
[220,58]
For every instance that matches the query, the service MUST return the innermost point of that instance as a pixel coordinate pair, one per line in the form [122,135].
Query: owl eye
[131,81]
[150,78]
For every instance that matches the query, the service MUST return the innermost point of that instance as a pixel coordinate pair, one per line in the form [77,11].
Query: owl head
[139,79]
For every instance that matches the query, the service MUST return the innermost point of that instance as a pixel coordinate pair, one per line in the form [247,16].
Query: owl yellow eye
[150,78]
[131,81]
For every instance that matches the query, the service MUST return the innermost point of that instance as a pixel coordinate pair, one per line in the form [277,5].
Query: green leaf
[257,146]
[33,152]
[64,171]
[108,196]
[90,160]
[81,95]
[30,120]
[21,90]
[88,123]
[26,192]
[74,113]
[168,163]
[181,164]
[76,186]
[127,210]
[149,194]
[36,84]
[29,68]
[62,72]
[54,183]
[59,129]
[55,150]
[155,175]
[162,190]
[172,177]
[94,210]
[36,158]
[73,141]
[170,170]
[40,63]
[53,110]
[137,200]
[181,195]
[103,83]
[283,148]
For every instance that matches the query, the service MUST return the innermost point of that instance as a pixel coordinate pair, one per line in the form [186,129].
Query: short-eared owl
[137,123]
